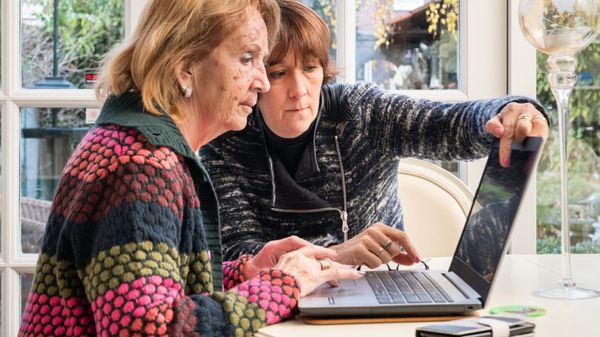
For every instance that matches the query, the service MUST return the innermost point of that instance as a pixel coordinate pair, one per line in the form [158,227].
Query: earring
[187,92]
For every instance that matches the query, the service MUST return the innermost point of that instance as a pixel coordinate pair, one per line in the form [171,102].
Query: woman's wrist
[248,268]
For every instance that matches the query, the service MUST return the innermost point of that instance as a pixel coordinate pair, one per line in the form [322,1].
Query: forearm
[154,304]
[266,299]
[407,127]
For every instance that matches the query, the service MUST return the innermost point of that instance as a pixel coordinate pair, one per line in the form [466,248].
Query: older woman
[127,250]
[320,160]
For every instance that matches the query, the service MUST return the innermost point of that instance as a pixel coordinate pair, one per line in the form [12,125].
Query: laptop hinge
[459,284]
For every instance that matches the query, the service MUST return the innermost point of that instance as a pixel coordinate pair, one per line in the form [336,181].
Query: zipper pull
[345,229]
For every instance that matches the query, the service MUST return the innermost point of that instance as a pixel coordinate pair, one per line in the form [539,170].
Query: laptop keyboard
[406,286]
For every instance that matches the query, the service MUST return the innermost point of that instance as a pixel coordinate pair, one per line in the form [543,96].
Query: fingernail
[363,273]
[418,259]
[506,162]
[498,131]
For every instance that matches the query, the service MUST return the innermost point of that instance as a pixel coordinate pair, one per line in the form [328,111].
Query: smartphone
[470,328]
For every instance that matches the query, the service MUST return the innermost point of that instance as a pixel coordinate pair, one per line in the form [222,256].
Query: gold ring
[525,116]
[325,264]
[387,245]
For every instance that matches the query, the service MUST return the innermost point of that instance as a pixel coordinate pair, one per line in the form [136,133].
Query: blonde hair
[304,33]
[173,34]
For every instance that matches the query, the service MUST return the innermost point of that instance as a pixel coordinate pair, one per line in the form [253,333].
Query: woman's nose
[297,86]
[261,81]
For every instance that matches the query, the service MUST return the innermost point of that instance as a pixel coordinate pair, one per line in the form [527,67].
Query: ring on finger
[325,263]
[525,116]
[387,245]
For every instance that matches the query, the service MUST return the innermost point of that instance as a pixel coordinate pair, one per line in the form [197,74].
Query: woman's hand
[376,245]
[516,121]
[269,255]
[311,266]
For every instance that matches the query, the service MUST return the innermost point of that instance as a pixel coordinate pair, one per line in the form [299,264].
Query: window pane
[584,160]
[85,31]
[49,137]
[327,10]
[26,281]
[407,44]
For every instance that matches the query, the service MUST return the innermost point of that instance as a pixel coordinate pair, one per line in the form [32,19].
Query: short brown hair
[305,33]
[174,34]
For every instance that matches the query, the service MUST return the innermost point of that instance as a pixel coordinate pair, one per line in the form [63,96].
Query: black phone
[471,328]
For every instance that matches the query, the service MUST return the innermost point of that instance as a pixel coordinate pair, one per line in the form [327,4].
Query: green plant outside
[87,30]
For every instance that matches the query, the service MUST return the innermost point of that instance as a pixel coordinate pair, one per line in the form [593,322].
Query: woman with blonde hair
[132,245]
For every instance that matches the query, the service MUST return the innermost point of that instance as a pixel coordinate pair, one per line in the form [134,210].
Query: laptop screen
[492,214]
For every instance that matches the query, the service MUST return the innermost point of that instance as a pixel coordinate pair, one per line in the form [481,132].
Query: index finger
[504,150]
[402,238]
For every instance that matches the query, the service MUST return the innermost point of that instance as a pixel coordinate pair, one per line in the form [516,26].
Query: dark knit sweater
[374,129]
[126,248]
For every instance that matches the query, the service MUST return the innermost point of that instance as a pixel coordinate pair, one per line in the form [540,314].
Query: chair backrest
[435,205]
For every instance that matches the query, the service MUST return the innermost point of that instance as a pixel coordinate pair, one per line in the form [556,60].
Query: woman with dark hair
[319,160]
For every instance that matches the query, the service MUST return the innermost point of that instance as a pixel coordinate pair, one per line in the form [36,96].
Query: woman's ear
[184,78]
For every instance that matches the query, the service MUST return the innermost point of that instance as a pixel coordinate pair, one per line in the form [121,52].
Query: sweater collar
[128,110]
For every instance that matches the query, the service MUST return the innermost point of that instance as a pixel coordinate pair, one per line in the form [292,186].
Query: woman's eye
[247,58]
[310,69]
[276,74]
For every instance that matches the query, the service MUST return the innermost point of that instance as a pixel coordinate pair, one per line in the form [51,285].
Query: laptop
[465,287]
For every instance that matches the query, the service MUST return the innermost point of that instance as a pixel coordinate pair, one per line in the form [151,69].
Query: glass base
[567,290]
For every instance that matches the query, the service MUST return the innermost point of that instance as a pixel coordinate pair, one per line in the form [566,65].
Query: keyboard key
[411,298]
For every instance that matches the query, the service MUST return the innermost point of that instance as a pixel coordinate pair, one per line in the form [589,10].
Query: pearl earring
[187,92]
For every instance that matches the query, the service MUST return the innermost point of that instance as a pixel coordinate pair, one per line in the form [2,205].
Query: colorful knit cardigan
[126,248]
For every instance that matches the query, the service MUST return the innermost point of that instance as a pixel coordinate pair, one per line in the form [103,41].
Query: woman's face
[293,101]
[227,82]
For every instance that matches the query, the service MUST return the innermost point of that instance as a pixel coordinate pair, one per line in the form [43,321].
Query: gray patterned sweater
[350,165]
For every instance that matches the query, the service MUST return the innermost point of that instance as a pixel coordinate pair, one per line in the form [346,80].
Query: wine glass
[560,29]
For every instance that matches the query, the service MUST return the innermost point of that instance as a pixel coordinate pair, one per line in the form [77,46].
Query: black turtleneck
[289,150]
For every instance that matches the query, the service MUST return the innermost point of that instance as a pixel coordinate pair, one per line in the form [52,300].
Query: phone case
[478,327]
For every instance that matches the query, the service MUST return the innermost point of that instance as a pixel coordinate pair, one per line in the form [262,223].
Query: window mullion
[63,98]
[346,41]
[522,81]
[10,182]
[12,47]
[11,300]
[133,10]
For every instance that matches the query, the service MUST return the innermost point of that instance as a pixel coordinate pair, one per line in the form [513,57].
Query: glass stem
[562,78]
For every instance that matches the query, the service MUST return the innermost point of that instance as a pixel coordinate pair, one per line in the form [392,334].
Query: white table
[519,275]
